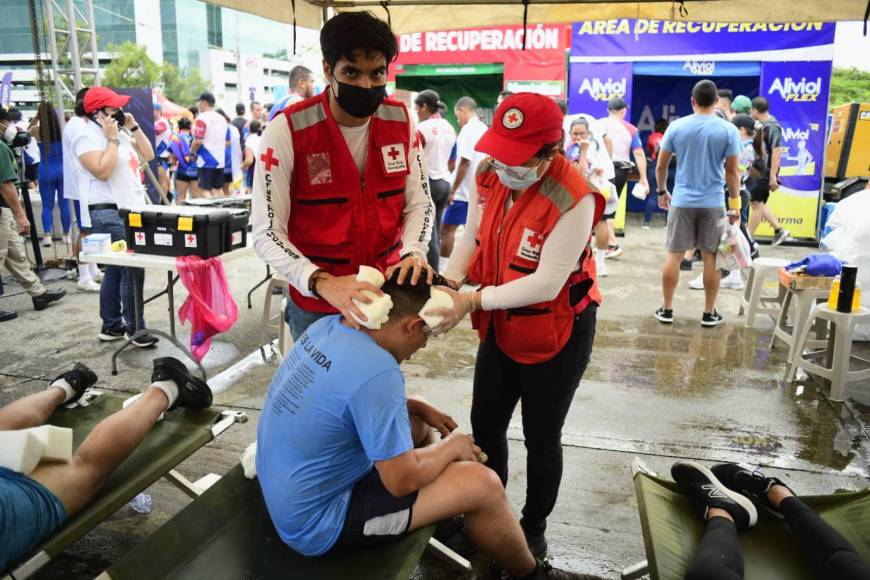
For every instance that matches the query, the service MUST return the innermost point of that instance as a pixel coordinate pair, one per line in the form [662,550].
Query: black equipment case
[184,231]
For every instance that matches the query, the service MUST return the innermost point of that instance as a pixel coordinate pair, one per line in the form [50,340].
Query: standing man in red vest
[342,181]
[527,245]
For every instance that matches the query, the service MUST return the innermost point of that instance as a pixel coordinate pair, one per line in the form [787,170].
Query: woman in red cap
[526,244]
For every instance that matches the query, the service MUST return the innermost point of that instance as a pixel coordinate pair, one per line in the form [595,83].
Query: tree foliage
[849,85]
[131,67]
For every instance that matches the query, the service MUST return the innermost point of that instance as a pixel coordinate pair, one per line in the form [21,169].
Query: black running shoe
[749,482]
[665,315]
[697,481]
[108,334]
[192,391]
[143,340]
[781,236]
[712,319]
[80,378]
[686,265]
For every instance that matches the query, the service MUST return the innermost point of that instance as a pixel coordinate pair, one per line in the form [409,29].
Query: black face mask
[359,102]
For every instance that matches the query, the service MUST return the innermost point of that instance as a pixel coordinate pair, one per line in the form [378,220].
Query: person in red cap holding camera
[527,245]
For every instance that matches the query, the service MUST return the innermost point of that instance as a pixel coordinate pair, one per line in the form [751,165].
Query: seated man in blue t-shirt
[340,454]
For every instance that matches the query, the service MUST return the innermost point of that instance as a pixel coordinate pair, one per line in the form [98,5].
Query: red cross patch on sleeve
[530,245]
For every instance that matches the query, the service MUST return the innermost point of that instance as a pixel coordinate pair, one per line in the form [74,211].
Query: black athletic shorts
[31,173]
[760,190]
[183,177]
[374,517]
[211,177]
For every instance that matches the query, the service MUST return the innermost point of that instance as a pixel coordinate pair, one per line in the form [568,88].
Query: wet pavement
[656,392]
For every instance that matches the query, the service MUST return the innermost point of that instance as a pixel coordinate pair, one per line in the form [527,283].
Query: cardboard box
[97,244]
[804,282]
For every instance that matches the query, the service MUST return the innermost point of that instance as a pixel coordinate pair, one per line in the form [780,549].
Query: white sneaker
[732,281]
[88,286]
[697,283]
[46,242]
[98,277]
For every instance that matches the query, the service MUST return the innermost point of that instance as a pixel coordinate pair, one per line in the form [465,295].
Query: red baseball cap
[522,124]
[98,97]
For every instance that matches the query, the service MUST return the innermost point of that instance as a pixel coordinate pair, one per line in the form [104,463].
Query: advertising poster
[141,107]
[591,85]
[798,97]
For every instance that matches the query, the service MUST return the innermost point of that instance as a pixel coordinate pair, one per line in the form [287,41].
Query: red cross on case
[191,238]
[268,158]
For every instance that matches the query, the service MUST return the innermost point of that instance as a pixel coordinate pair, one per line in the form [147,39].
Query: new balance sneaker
[749,482]
[80,378]
[712,319]
[613,251]
[700,484]
[109,334]
[193,392]
[665,315]
[143,340]
[780,236]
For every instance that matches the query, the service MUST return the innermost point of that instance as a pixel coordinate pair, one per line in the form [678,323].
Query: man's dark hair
[240,109]
[661,125]
[255,127]
[466,103]
[79,107]
[760,104]
[725,94]
[184,123]
[299,73]
[254,104]
[616,104]
[208,98]
[704,93]
[409,299]
[346,33]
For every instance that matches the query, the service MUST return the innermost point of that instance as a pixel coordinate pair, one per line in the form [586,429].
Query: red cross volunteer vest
[509,247]
[340,219]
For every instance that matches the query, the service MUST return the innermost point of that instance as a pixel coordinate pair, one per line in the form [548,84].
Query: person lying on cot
[36,504]
[343,454]
[728,494]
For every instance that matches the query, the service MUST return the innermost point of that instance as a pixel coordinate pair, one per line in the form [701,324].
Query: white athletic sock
[85,272]
[599,257]
[67,388]
[168,387]
[94,270]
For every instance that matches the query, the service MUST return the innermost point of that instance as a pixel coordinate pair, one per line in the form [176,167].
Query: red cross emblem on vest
[394,158]
[536,240]
[268,158]
[393,153]
[530,245]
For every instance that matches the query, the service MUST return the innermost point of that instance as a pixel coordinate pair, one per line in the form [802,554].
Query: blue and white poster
[591,85]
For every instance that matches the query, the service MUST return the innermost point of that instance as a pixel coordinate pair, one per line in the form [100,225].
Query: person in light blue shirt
[707,149]
[347,461]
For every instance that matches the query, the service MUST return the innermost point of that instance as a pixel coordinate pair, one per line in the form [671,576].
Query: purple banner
[591,85]
[628,37]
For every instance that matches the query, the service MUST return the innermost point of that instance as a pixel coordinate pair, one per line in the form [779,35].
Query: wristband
[312,283]
[665,192]
[735,203]
[134,128]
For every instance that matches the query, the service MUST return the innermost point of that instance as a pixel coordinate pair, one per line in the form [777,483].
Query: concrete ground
[656,392]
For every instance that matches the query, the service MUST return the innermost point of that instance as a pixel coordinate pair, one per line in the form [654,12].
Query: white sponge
[20,450]
[57,441]
[377,312]
[437,299]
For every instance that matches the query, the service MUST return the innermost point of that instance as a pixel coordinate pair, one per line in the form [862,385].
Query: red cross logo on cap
[535,240]
[268,158]
[512,118]
[393,153]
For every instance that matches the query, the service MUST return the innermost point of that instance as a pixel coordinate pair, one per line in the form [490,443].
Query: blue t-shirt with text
[336,405]
[700,143]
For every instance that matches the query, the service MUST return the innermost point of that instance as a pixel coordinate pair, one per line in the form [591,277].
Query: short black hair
[255,127]
[760,104]
[346,33]
[208,98]
[704,93]
[725,94]
[79,107]
[616,104]
[466,103]
[407,298]
[661,125]
[240,109]
[184,123]
[298,73]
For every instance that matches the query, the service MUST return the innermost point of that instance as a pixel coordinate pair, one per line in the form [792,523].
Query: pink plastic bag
[209,307]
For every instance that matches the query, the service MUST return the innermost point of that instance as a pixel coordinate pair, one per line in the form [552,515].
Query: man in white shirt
[437,137]
[467,159]
[301,88]
[348,164]
[209,146]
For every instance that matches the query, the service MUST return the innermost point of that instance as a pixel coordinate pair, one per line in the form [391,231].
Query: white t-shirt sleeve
[559,256]
[270,210]
[463,250]
[419,212]
[465,143]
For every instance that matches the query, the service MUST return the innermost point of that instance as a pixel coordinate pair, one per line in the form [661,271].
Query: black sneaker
[686,265]
[544,571]
[696,256]
[665,315]
[749,482]
[8,315]
[192,391]
[80,378]
[780,237]
[143,340]
[108,334]
[712,319]
[537,544]
[42,301]
[697,481]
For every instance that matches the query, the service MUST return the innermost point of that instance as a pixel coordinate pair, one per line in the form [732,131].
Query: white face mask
[516,177]
[11,131]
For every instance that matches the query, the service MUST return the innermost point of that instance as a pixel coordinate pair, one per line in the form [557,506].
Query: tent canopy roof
[424,15]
